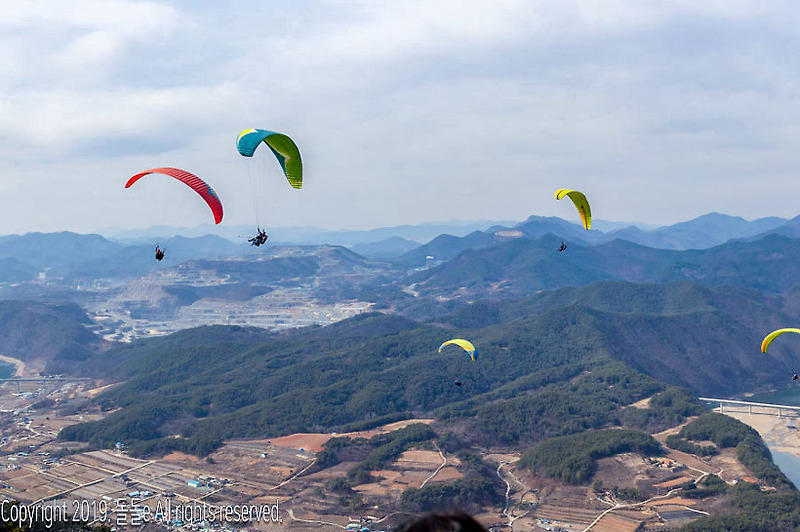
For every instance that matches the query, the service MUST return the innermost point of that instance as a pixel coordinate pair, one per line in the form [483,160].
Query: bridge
[793,411]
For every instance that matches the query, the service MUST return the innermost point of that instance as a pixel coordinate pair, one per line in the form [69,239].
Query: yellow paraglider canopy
[580,203]
[466,345]
[774,334]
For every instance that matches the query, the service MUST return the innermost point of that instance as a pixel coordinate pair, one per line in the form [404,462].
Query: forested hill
[46,331]
[705,338]
[626,341]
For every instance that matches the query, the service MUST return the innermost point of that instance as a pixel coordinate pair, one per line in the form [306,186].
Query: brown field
[339,470]
[612,522]
[309,441]
[419,460]
[17,473]
[411,479]
[446,474]
[673,501]
[106,461]
[178,456]
[726,460]
[566,514]
[153,471]
[283,472]
[80,474]
[387,474]
[567,504]
[674,483]
[376,490]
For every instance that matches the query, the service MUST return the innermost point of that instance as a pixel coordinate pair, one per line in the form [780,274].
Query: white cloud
[400,107]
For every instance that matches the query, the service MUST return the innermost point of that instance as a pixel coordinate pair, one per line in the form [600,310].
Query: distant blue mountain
[700,233]
[790,228]
[67,254]
[49,250]
[14,271]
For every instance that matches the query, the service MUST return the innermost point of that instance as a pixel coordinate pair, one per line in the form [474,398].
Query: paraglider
[562,247]
[192,181]
[283,147]
[580,203]
[260,239]
[159,254]
[774,334]
[466,345]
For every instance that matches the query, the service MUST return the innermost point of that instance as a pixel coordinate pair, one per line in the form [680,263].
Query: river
[777,437]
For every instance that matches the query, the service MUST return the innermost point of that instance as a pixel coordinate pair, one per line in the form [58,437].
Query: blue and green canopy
[284,149]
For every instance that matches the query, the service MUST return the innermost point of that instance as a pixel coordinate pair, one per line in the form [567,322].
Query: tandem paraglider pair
[287,154]
[260,239]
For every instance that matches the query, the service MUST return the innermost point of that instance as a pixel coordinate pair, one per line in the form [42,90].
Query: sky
[404,111]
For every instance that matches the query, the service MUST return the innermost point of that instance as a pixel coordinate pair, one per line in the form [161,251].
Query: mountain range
[521,266]
[23,257]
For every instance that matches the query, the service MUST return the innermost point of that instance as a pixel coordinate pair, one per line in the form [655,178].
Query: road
[444,463]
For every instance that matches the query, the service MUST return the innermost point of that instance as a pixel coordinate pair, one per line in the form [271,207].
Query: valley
[182,491]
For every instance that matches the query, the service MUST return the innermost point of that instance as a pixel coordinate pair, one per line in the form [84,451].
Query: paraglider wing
[466,345]
[284,149]
[195,183]
[580,203]
[774,334]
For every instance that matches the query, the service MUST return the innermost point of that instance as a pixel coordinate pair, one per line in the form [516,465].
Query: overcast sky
[404,111]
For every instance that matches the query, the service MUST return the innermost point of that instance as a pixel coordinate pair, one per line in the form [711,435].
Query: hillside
[15,271]
[45,332]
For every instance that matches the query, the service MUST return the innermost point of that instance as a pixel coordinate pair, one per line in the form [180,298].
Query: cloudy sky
[404,111]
